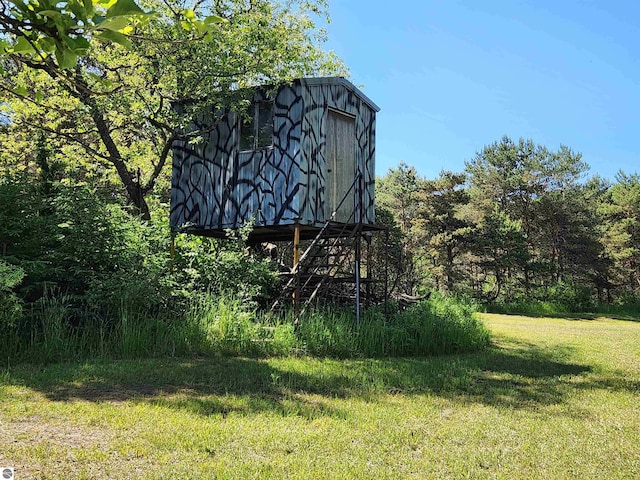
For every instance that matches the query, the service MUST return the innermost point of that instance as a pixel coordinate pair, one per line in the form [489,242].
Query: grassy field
[553,398]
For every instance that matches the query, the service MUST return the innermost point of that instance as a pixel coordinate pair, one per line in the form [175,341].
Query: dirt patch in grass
[40,436]
[35,430]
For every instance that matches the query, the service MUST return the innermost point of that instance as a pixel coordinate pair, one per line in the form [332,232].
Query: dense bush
[224,325]
[78,272]
[10,306]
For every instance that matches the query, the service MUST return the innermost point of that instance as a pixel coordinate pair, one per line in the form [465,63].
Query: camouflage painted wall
[216,186]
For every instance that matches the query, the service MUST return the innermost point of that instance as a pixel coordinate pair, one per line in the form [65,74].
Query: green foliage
[437,326]
[80,277]
[329,333]
[518,230]
[49,32]
[500,246]
[58,328]
[398,193]
[628,307]
[523,197]
[10,305]
[389,253]
[447,232]
[559,298]
[10,276]
[111,116]
[444,325]
[620,209]
[222,266]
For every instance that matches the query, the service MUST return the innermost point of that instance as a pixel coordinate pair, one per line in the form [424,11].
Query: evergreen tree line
[521,224]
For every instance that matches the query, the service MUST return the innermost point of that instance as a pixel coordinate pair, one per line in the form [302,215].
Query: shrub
[73,261]
[573,297]
[229,325]
[10,305]
[81,277]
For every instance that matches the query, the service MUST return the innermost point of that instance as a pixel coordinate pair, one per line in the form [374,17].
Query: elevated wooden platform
[286,232]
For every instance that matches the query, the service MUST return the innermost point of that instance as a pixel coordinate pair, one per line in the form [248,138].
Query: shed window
[256,127]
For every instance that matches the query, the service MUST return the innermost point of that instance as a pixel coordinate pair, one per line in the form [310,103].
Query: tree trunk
[132,186]
[449,270]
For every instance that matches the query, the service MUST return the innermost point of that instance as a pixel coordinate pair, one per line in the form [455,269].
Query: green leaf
[66,58]
[50,13]
[47,45]
[69,42]
[97,20]
[82,45]
[77,45]
[21,6]
[114,23]
[78,10]
[211,19]
[88,7]
[188,14]
[21,90]
[111,36]
[22,45]
[124,7]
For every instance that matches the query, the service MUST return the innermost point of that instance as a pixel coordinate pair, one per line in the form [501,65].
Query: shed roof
[342,82]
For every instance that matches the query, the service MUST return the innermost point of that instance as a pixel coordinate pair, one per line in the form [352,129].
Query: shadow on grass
[574,316]
[517,375]
[596,316]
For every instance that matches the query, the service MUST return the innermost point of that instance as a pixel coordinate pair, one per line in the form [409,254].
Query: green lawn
[553,398]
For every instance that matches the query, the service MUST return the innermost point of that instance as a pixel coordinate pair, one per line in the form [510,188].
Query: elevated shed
[301,152]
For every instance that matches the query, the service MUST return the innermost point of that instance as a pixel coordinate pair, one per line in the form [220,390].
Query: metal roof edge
[343,82]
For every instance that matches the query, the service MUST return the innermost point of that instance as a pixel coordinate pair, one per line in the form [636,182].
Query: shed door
[341,142]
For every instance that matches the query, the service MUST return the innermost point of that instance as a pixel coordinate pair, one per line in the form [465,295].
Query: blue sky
[453,76]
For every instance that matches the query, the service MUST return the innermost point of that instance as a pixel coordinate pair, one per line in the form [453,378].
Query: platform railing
[337,240]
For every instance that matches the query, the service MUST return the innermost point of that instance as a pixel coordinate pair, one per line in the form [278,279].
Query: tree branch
[166,150]
[90,150]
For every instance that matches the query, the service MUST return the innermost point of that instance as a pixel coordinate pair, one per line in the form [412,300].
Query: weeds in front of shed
[225,325]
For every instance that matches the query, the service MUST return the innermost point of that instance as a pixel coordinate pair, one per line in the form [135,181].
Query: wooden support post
[296,245]
[296,260]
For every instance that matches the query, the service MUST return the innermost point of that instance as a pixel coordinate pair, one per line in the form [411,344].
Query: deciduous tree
[101,78]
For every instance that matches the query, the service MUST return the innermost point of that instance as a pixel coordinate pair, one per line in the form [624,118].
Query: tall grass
[224,325]
[437,326]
